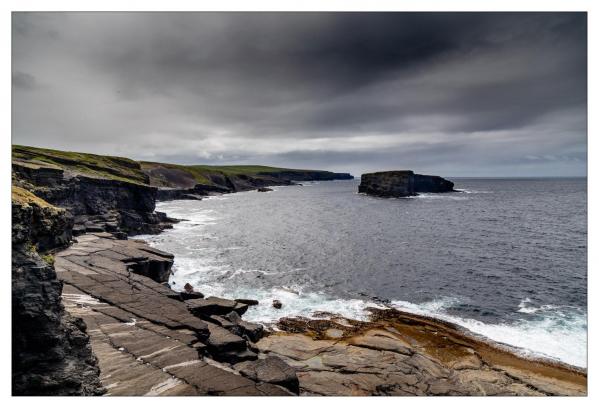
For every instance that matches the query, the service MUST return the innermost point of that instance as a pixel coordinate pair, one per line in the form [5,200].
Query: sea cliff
[402,183]
[50,348]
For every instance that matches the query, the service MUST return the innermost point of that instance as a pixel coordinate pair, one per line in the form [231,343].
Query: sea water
[503,258]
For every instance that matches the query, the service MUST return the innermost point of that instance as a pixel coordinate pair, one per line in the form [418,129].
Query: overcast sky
[454,94]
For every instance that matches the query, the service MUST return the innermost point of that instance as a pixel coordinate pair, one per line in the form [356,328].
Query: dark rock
[197,192]
[403,183]
[271,370]
[214,306]
[51,354]
[94,228]
[253,331]
[221,340]
[131,205]
[277,304]
[250,302]
[264,189]
[78,230]
[235,356]
[226,324]
[189,293]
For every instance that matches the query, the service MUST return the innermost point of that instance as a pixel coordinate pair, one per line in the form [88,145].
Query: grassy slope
[111,167]
[201,172]
[25,197]
[120,168]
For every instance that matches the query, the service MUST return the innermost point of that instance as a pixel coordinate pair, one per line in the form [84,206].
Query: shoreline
[518,351]
[134,321]
[443,343]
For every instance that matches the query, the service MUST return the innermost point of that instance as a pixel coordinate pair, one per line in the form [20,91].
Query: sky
[453,94]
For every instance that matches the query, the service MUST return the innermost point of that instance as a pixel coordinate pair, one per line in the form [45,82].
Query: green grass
[49,259]
[124,169]
[111,167]
[237,170]
[26,197]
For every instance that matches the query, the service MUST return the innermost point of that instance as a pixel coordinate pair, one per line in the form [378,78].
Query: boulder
[250,302]
[226,324]
[277,304]
[271,370]
[189,293]
[253,331]
[214,306]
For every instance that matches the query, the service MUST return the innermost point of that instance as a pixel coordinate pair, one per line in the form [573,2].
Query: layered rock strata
[148,339]
[402,354]
[50,348]
[402,183]
[97,204]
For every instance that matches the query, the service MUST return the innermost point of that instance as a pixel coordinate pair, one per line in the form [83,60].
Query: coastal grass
[25,197]
[128,170]
[98,166]
[202,173]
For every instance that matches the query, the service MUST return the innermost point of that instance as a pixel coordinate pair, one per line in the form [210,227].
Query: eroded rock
[272,370]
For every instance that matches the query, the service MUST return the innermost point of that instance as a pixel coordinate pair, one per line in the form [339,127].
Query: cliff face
[50,349]
[402,183]
[177,184]
[98,204]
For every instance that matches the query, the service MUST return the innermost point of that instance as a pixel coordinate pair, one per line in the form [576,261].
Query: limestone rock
[271,370]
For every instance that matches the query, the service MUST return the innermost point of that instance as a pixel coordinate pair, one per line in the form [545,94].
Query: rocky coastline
[115,327]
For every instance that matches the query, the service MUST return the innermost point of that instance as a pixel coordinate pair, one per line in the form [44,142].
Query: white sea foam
[551,331]
[474,191]
[438,196]
[555,332]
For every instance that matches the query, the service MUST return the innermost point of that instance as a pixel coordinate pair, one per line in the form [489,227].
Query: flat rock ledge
[146,339]
[403,354]
[150,341]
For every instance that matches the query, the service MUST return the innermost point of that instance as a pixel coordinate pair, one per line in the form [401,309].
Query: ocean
[504,258]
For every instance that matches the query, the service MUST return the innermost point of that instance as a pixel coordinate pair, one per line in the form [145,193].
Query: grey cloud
[23,80]
[306,89]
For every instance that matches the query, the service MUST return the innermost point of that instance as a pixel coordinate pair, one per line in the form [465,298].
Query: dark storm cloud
[23,80]
[350,91]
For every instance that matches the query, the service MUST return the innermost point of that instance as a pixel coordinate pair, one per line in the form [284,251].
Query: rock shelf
[146,339]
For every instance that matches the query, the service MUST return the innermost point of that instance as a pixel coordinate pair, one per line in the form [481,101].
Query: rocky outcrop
[402,183]
[194,193]
[399,353]
[179,182]
[51,354]
[97,204]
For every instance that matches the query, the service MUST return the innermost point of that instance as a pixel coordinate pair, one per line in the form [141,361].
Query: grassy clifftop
[169,175]
[151,173]
[110,167]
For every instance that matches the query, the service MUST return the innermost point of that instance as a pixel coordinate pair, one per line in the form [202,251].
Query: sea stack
[402,183]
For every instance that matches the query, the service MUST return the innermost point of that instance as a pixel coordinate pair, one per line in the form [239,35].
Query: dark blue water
[505,258]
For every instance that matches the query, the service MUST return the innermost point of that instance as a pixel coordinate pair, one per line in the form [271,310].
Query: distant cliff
[172,181]
[402,183]
[178,181]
